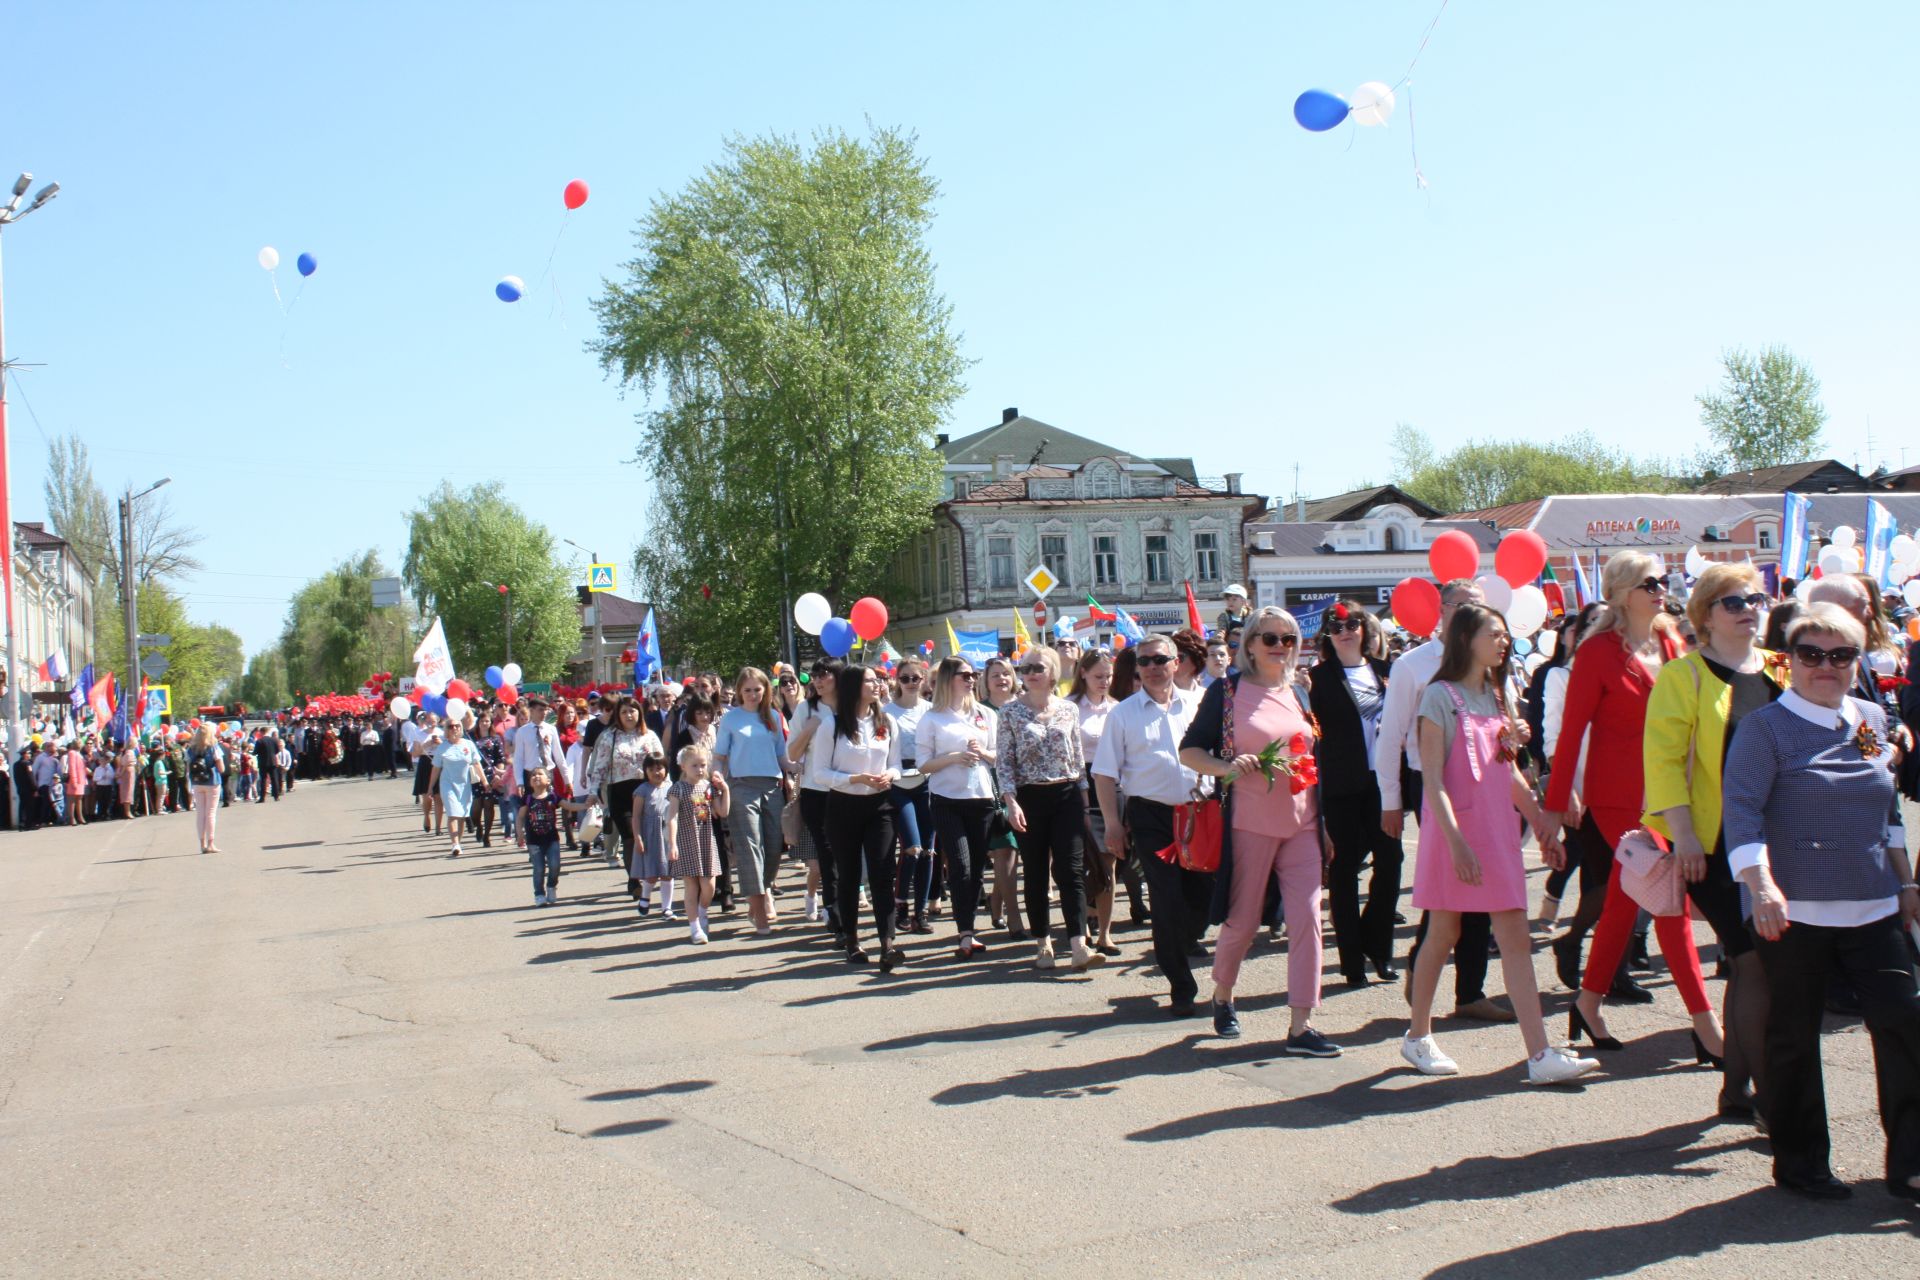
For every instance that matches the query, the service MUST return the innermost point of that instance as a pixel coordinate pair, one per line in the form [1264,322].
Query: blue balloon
[837,637]
[509,289]
[434,703]
[307,262]
[1317,111]
[494,678]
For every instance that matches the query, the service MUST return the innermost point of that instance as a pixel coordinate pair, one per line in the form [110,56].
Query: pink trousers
[206,803]
[1295,861]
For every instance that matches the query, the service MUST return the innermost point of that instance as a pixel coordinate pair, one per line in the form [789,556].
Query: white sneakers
[1426,1057]
[1043,954]
[1557,1066]
[697,935]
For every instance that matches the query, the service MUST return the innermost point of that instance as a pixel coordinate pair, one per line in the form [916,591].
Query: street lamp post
[599,632]
[11,213]
[506,608]
[129,589]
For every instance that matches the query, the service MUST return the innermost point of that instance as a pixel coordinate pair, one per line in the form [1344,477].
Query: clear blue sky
[1138,242]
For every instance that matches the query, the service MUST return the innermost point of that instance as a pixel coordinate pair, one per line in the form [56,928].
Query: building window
[1393,537]
[961,488]
[926,568]
[1206,557]
[1766,539]
[1000,563]
[946,570]
[1106,560]
[1158,570]
[1053,554]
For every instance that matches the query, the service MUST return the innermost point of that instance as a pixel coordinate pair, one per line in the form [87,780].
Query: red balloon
[1416,605]
[1520,557]
[869,618]
[508,694]
[1454,555]
[460,689]
[576,194]
[418,696]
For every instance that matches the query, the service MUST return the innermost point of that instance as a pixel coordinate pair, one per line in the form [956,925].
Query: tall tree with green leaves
[457,543]
[264,686]
[783,321]
[334,638]
[1482,474]
[1768,411]
[204,662]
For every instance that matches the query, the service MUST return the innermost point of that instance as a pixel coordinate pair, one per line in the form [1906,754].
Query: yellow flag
[953,641]
[1021,640]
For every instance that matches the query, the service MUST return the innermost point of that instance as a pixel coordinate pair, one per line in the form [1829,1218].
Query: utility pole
[599,632]
[10,213]
[129,589]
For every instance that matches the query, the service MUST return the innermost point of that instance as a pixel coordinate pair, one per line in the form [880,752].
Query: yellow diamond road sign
[600,577]
[1041,581]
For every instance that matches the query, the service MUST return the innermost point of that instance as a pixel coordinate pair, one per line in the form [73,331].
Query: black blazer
[1345,769]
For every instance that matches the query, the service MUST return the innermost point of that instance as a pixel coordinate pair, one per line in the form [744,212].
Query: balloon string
[273,277]
[1413,140]
[548,277]
[1408,77]
[288,315]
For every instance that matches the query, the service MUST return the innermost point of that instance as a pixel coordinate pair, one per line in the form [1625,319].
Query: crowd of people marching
[1739,758]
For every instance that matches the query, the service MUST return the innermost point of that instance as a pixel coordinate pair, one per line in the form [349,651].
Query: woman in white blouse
[954,746]
[849,754]
[910,800]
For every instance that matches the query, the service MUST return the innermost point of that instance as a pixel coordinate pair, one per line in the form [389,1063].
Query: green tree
[203,661]
[1768,412]
[456,544]
[77,508]
[265,683]
[1482,474]
[334,638]
[782,317]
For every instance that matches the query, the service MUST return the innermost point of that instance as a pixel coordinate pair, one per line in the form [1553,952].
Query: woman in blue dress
[456,767]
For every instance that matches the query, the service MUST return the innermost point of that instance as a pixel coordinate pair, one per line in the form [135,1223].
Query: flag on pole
[1097,614]
[1193,613]
[1582,589]
[82,688]
[1793,535]
[646,658]
[1128,628]
[433,661]
[121,730]
[54,668]
[1881,531]
[101,698]
[1021,640]
[953,641]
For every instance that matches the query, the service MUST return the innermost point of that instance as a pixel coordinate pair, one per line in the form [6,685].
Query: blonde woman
[749,751]
[954,745]
[996,688]
[206,766]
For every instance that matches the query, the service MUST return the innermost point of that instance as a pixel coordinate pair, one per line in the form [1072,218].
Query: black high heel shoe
[1577,1027]
[1703,1058]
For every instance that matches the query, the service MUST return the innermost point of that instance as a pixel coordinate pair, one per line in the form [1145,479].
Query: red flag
[1193,613]
[102,699]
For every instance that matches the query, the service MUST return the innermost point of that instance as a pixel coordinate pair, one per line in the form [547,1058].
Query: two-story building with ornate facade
[1129,531]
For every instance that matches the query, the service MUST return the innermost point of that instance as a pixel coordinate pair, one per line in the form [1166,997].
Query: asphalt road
[329,1051]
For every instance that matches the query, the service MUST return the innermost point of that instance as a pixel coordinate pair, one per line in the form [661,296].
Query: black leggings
[960,832]
[860,829]
[813,815]
[1353,825]
[620,813]
[1056,815]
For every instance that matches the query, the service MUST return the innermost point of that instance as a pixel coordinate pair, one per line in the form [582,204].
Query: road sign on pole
[601,577]
[1041,581]
[154,665]
[151,640]
[1040,615]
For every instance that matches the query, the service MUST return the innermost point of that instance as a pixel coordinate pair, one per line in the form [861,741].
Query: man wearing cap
[1235,614]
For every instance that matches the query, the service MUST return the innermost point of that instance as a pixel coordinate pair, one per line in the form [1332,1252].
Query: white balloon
[1803,589]
[1372,103]
[1899,573]
[1833,560]
[1912,592]
[811,612]
[1546,642]
[510,674]
[1495,590]
[1843,536]
[1696,562]
[1903,548]
[269,258]
[401,708]
[1854,561]
[1528,612]
[456,708]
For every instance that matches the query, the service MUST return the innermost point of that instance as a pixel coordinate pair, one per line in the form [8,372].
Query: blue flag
[121,729]
[647,652]
[1310,615]
[1881,531]
[1793,536]
[977,646]
[82,689]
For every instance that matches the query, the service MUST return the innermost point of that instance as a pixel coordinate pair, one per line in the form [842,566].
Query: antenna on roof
[1037,452]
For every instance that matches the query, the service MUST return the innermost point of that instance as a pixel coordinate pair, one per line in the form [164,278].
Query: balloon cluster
[1508,590]
[865,622]
[1317,110]
[513,288]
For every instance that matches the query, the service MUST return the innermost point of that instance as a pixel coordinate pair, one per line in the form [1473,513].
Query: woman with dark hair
[1470,857]
[617,765]
[910,800]
[849,753]
[1348,688]
[996,687]
[1549,685]
[1126,675]
[1192,653]
[823,901]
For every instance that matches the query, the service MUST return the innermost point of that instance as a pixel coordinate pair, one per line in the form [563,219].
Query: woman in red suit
[1613,674]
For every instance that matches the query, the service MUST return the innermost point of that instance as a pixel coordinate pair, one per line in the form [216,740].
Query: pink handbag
[1650,873]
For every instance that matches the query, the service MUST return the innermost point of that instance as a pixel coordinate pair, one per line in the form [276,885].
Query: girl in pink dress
[1470,857]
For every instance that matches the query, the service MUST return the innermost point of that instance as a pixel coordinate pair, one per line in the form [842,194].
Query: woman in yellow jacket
[1697,701]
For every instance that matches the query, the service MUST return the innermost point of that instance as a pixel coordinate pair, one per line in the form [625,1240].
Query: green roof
[1024,437]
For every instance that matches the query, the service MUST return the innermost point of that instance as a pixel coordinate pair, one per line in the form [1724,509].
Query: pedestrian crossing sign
[600,577]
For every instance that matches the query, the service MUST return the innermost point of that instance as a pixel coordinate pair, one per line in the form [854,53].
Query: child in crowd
[699,800]
[652,863]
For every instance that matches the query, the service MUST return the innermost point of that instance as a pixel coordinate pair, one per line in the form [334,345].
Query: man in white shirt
[1397,739]
[1139,756]
[536,745]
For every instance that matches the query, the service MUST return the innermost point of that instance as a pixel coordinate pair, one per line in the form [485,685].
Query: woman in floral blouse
[1039,767]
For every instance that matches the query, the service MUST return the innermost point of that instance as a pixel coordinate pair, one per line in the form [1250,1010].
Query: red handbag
[1197,828]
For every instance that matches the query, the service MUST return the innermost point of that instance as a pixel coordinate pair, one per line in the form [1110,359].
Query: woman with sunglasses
[1091,695]
[954,745]
[849,751]
[1613,676]
[1348,686]
[996,687]
[1697,704]
[1814,831]
[1276,839]
[822,904]
[910,800]
[1039,770]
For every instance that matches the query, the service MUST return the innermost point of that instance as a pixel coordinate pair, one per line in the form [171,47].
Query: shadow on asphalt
[1334,1106]
[630,1095]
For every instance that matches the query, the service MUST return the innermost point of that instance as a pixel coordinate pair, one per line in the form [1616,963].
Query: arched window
[1393,538]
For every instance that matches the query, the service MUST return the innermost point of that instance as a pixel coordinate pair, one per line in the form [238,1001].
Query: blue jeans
[509,812]
[546,866]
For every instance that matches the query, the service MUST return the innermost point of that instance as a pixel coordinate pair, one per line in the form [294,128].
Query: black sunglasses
[1808,655]
[1654,587]
[1351,624]
[788,680]
[1740,604]
[909,679]
[1155,660]
[964,675]
[1278,639]
[1032,669]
